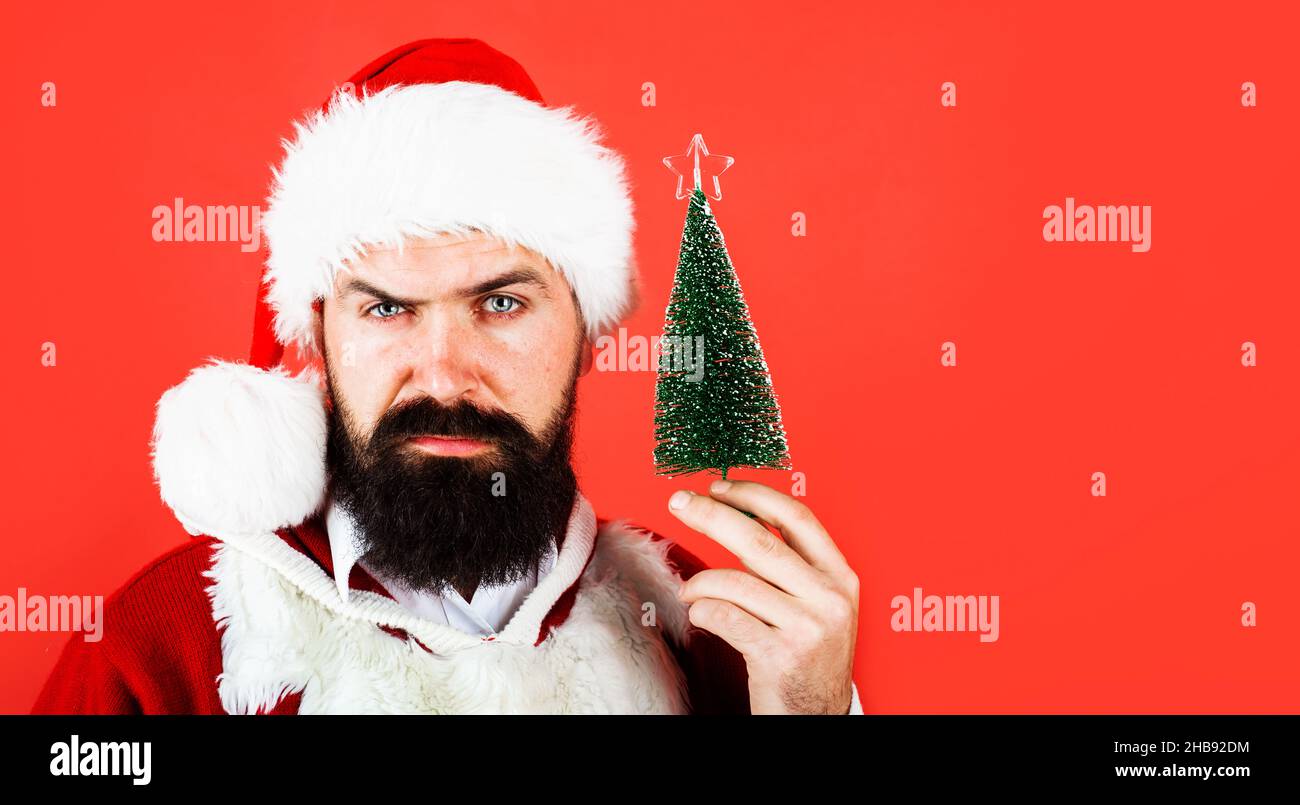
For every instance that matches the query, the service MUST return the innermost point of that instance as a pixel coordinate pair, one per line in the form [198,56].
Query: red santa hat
[438,136]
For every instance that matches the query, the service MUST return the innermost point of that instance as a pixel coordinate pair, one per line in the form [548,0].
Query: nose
[445,360]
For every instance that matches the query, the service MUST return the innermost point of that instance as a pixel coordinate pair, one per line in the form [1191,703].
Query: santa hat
[438,136]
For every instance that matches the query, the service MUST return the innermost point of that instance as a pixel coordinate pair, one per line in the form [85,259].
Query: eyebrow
[522,274]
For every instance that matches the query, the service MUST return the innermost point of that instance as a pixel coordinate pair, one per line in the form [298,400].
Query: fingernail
[720,486]
[679,499]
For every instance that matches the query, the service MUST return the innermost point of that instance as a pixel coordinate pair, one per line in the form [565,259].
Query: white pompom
[239,450]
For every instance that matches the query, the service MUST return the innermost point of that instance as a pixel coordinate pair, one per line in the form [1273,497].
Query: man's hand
[794,617]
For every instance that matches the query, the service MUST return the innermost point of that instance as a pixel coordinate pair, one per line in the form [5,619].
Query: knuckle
[847,613]
[801,514]
[746,583]
[730,618]
[764,543]
[852,584]
[835,603]
[813,634]
[841,613]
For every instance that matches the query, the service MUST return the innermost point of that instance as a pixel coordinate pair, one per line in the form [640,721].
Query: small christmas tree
[714,404]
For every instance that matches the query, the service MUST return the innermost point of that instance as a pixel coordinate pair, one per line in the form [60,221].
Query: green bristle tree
[715,408]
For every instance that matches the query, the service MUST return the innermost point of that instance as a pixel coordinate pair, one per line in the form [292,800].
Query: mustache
[424,416]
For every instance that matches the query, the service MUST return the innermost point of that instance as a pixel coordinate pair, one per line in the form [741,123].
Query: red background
[924,226]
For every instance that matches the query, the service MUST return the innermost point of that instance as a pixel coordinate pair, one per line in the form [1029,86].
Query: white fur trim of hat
[422,159]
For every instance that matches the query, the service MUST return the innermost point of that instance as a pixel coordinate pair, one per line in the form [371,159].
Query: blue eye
[385,310]
[511,305]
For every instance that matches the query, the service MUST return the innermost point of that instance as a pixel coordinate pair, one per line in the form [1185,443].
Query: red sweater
[161,649]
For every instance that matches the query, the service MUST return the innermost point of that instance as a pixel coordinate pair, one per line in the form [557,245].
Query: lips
[449,446]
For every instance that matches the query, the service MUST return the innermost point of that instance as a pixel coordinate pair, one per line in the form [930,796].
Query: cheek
[529,368]
[367,368]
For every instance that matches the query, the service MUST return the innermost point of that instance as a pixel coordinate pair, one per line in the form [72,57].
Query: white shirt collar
[345,545]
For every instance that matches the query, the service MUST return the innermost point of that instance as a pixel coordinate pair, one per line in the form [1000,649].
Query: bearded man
[398,528]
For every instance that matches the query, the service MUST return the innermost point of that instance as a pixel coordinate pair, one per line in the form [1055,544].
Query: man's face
[453,319]
[452,369]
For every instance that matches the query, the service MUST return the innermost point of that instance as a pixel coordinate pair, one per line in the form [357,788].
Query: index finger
[798,525]
[761,551]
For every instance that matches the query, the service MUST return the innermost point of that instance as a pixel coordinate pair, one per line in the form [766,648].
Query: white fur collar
[285,629]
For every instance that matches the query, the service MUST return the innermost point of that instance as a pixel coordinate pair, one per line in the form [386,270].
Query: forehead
[446,262]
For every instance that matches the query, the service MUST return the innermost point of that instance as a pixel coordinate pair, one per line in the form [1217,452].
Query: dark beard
[430,522]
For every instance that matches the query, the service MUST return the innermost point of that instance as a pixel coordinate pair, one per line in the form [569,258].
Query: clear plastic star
[698,164]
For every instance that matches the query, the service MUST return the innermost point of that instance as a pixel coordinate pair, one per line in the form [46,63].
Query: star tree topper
[697,163]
